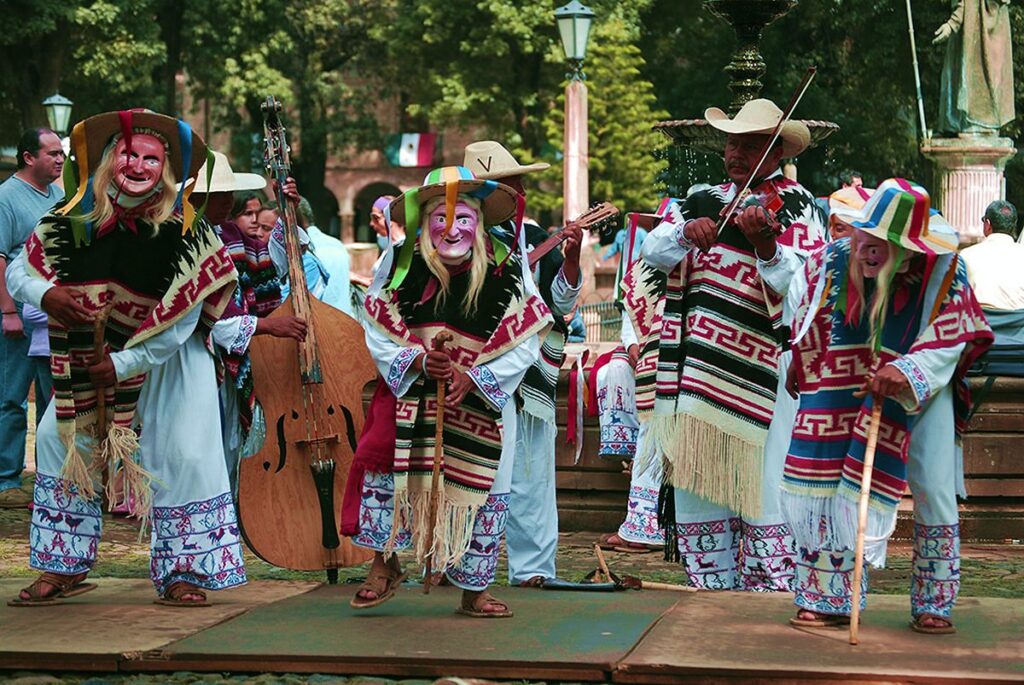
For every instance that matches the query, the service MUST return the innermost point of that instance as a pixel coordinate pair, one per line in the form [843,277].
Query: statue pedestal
[968,176]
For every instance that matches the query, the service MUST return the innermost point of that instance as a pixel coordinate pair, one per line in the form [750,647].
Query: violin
[311,392]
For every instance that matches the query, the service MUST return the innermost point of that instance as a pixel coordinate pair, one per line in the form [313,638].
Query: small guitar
[598,218]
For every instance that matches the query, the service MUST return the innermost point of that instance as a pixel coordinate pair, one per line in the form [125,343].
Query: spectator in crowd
[994,266]
[245,211]
[851,179]
[24,198]
[266,218]
[378,225]
[334,257]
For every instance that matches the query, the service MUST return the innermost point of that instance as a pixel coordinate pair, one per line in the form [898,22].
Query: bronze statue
[976,92]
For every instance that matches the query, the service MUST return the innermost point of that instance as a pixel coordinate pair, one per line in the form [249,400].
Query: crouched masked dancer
[888,310]
[452,277]
[127,248]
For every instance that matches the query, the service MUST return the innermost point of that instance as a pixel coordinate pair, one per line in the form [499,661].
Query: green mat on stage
[557,628]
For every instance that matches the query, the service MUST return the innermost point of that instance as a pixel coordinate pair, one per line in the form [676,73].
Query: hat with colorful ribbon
[498,203]
[847,200]
[186,153]
[899,211]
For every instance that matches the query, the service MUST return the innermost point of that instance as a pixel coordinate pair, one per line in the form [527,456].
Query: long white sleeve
[394,362]
[563,295]
[778,271]
[158,349]
[665,246]
[626,333]
[498,379]
[235,333]
[21,286]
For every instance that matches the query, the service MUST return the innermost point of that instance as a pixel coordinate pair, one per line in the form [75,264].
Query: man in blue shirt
[24,199]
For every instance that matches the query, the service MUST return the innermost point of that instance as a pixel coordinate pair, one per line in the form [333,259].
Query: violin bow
[787,113]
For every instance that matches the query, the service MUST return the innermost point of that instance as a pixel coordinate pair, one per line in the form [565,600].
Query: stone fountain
[748,18]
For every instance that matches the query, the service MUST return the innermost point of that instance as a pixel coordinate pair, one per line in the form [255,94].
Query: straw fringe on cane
[453,530]
[699,456]
[75,470]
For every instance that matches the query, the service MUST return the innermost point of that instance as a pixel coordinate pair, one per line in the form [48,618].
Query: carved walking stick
[862,513]
[435,476]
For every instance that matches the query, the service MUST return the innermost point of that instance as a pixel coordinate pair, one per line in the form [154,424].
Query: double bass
[311,393]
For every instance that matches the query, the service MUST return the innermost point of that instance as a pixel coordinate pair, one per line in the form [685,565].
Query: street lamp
[58,113]
[574,22]
[574,27]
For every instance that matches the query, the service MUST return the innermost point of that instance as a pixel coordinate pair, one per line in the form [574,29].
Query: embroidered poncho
[506,317]
[709,335]
[257,294]
[931,308]
[149,278]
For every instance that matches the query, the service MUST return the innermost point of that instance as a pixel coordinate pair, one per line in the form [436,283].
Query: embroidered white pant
[195,535]
[531,537]
[478,567]
[932,474]
[641,523]
[616,401]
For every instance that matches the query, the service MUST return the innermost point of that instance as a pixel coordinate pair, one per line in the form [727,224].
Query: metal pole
[917,72]
[575,182]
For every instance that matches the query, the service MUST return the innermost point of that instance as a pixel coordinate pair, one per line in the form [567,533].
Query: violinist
[707,377]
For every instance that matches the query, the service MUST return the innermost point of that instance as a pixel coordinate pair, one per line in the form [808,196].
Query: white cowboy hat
[225,180]
[489,160]
[761,116]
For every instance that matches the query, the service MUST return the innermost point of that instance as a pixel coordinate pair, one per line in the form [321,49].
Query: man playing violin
[707,379]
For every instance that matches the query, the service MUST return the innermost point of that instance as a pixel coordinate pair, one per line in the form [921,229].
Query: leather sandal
[609,541]
[819,621]
[475,607]
[918,625]
[174,595]
[64,586]
[534,581]
[383,583]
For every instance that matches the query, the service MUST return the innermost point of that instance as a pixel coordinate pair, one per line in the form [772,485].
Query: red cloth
[374,452]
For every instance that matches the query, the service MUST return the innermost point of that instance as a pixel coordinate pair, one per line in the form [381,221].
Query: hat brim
[497,201]
[518,170]
[796,137]
[101,128]
[935,243]
[242,181]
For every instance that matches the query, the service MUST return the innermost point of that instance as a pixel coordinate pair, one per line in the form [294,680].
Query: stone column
[575,180]
[968,176]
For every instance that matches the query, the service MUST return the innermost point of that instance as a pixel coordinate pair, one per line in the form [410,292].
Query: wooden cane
[99,335]
[435,476]
[601,563]
[862,514]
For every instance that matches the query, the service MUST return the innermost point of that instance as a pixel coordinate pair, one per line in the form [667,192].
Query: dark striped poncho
[710,335]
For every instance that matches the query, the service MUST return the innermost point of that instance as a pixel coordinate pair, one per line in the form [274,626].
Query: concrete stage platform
[626,637]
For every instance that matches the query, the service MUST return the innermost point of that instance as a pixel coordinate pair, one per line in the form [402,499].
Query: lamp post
[58,113]
[574,22]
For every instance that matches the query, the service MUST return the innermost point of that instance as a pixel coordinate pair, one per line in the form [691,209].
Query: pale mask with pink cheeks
[456,246]
[137,173]
[872,252]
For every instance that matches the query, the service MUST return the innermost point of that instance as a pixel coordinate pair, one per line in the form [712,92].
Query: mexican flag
[411,149]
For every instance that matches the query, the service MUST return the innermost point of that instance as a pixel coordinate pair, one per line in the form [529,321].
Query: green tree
[622,106]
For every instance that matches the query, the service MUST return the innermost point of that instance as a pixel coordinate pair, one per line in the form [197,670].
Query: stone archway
[362,205]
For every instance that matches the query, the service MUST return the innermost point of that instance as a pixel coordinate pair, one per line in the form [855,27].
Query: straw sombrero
[488,159]
[186,153]
[899,211]
[185,147]
[497,201]
[762,116]
[224,179]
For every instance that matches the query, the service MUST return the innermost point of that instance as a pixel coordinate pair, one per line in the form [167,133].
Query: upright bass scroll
[290,492]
